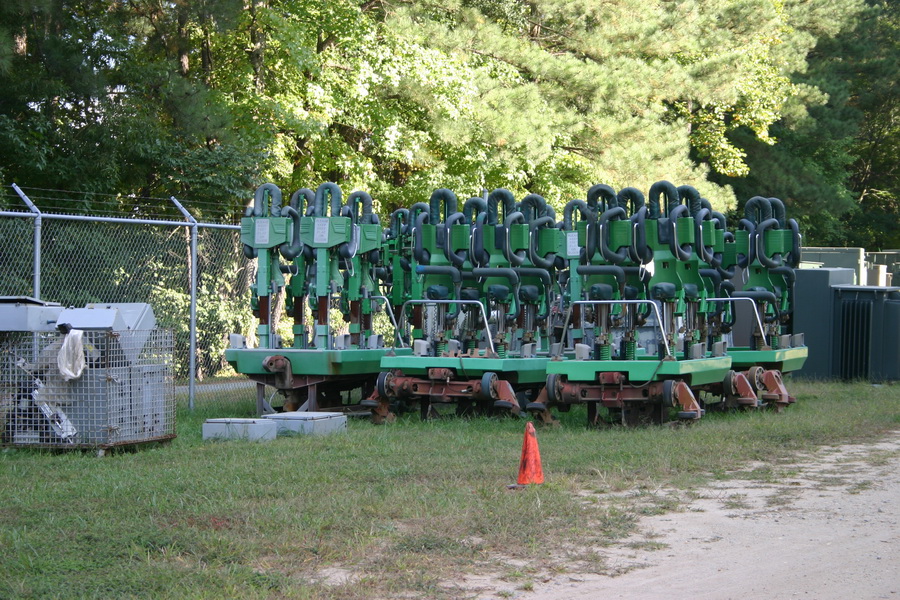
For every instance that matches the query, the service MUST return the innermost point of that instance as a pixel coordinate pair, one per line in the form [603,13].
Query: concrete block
[254,430]
[308,423]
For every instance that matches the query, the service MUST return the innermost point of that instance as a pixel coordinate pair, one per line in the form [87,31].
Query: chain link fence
[89,258]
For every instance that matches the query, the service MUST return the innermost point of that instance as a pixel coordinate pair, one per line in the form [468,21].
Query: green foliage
[204,100]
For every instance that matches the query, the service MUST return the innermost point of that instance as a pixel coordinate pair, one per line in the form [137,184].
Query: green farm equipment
[478,319]
[633,385]
[626,305]
[333,255]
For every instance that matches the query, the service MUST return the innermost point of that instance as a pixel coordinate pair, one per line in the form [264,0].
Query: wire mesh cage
[124,395]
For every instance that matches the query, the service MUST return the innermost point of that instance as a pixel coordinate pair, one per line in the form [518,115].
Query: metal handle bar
[653,303]
[487,329]
[762,330]
[397,338]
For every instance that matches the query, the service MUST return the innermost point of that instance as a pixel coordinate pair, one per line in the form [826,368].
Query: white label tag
[320,235]
[572,247]
[262,232]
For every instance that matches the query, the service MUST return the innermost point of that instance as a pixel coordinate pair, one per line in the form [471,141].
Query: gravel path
[827,527]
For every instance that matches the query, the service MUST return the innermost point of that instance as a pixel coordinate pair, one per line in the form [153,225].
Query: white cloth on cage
[70,359]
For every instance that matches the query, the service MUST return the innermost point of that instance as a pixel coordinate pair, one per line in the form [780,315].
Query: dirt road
[826,527]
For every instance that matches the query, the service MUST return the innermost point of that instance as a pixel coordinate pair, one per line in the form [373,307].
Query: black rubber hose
[505,272]
[474,206]
[531,207]
[604,192]
[760,240]
[292,250]
[620,254]
[365,199]
[616,271]
[691,197]
[682,252]
[658,189]
[334,192]
[302,194]
[514,258]
[399,222]
[509,204]
[778,212]
[569,210]
[349,249]
[793,259]
[445,196]
[259,199]
[539,261]
[704,252]
[757,210]
[458,258]
[422,256]
[631,199]
[640,252]
[748,259]
[479,257]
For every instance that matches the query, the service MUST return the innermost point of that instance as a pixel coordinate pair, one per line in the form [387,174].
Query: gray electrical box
[814,316]
[867,332]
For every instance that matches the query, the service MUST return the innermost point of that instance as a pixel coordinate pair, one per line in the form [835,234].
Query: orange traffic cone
[530,470]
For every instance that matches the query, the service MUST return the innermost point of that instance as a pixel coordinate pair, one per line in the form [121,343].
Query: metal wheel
[755,376]
[553,388]
[383,383]
[728,384]
[668,394]
[487,382]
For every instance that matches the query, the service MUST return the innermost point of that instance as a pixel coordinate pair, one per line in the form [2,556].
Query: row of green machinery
[624,303]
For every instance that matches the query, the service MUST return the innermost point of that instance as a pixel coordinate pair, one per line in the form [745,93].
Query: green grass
[398,509]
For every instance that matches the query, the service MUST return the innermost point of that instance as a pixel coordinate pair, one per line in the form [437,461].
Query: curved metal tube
[656,190]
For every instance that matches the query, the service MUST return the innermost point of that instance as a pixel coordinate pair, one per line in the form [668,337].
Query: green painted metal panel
[311,362]
[785,360]
[696,372]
